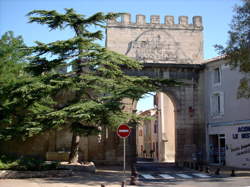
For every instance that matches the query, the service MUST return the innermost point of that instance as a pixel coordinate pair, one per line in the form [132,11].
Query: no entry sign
[123,131]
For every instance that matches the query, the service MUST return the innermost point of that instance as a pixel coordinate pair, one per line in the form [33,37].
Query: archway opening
[167,132]
[156,136]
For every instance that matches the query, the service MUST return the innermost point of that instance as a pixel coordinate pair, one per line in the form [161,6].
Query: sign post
[123,131]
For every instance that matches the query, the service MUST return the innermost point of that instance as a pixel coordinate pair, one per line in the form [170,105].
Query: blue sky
[216,14]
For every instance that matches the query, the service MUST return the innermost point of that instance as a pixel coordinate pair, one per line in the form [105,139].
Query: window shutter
[221,103]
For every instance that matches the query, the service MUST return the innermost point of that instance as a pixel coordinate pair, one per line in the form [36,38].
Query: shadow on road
[103,175]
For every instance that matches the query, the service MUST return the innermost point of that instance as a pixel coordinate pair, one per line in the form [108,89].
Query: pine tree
[90,96]
[13,58]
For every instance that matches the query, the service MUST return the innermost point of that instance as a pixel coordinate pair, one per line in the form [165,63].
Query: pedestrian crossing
[166,176]
[174,176]
[184,176]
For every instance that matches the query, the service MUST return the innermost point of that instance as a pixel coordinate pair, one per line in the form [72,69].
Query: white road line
[166,176]
[201,175]
[184,176]
[147,176]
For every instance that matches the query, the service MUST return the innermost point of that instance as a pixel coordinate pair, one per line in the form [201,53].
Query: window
[155,127]
[107,133]
[216,76]
[140,132]
[217,104]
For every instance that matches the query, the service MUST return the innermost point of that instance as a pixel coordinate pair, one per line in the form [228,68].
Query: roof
[148,112]
[214,59]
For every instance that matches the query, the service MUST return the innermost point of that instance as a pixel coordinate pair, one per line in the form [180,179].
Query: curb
[9,174]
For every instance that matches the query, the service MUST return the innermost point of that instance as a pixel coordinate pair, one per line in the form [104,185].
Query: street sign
[123,131]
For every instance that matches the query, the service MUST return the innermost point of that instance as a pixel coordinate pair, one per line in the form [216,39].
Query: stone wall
[154,42]
[54,145]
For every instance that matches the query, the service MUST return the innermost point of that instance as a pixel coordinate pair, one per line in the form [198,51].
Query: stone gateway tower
[168,50]
[155,42]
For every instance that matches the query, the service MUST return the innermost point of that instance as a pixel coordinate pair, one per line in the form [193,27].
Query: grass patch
[25,164]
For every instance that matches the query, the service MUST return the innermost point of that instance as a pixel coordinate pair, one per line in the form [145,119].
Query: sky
[216,16]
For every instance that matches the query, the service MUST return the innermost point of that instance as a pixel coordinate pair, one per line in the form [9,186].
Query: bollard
[181,164]
[201,168]
[176,164]
[217,172]
[233,173]
[134,172]
[132,180]
[192,165]
[207,170]
[196,166]
[123,184]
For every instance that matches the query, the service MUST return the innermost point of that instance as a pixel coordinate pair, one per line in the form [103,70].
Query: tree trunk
[73,156]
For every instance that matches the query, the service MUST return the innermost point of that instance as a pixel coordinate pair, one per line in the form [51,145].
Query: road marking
[184,176]
[147,176]
[201,175]
[166,176]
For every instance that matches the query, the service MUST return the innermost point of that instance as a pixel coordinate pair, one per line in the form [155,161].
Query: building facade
[147,135]
[227,116]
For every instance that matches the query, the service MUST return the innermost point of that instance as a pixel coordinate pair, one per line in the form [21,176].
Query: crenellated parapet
[155,22]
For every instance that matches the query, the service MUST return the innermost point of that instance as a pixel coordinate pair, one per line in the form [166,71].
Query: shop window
[217,151]
[217,104]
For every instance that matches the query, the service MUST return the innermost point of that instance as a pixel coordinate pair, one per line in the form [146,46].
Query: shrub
[25,163]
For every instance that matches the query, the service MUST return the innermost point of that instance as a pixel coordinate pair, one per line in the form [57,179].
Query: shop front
[229,144]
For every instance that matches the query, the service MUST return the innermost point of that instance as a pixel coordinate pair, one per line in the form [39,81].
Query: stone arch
[189,128]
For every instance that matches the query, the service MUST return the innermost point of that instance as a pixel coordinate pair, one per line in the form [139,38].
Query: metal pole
[124,156]
[219,149]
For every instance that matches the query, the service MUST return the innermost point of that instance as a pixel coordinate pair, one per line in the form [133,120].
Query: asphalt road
[168,176]
[159,175]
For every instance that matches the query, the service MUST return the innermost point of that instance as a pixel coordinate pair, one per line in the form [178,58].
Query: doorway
[217,149]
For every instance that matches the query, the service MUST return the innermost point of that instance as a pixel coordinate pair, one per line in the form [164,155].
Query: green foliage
[85,99]
[12,57]
[237,50]
[25,164]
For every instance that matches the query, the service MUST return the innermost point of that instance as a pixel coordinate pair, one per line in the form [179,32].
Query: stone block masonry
[157,42]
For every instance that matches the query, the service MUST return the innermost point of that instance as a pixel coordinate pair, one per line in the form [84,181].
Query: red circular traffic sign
[123,131]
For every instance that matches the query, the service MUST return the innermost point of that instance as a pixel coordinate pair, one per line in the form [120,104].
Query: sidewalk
[108,176]
[227,171]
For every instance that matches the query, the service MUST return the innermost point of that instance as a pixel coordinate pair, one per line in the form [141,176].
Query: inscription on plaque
[156,46]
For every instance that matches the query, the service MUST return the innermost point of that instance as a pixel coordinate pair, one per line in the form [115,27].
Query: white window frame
[216,84]
[213,113]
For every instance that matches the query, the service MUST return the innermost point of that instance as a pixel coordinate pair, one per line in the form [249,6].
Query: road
[160,174]
[150,175]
